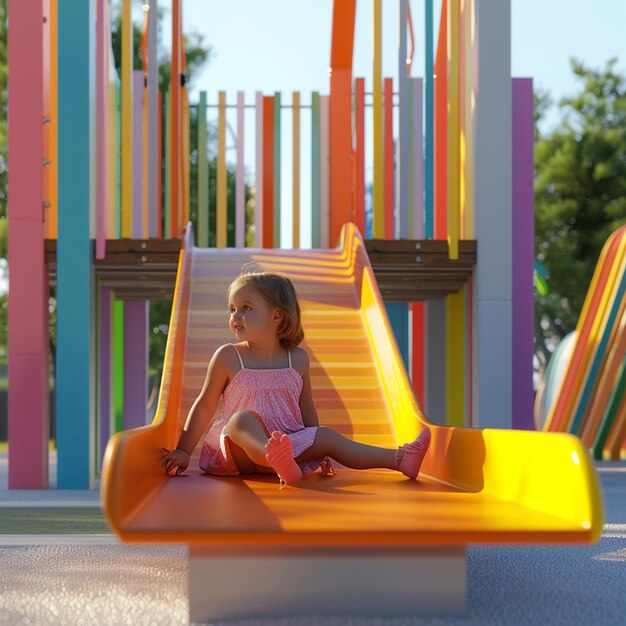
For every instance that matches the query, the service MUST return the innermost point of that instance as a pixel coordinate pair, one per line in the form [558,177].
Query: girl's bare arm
[203,409]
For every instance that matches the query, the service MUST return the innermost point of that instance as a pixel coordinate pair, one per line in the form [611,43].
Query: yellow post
[296,169]
[469,30]
[379,171]
[52,126]
[453,129]
[221,172]
[455,359]
[127,119]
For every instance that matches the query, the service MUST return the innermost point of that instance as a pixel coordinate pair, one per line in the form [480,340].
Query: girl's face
[251,317]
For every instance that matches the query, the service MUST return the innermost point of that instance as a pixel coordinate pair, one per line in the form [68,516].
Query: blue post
[398,314]
[75,403]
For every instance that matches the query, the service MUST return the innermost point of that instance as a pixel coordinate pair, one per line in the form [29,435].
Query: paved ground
[92,579]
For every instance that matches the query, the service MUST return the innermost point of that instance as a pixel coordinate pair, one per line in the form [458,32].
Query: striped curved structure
[591,398]
[496,486]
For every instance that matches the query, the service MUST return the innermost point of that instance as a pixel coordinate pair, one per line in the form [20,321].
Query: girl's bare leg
[329,442]
[248,435]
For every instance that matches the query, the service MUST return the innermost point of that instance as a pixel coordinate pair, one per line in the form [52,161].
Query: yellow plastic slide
[496,486]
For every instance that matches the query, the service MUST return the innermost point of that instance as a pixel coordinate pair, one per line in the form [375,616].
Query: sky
[284,45]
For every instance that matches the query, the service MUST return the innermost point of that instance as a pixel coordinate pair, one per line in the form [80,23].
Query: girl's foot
[409,457]
[280,457]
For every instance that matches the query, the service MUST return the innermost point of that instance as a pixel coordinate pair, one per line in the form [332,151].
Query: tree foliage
[580,194]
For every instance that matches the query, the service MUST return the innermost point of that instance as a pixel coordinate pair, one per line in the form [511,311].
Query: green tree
[580,195]
[196,53]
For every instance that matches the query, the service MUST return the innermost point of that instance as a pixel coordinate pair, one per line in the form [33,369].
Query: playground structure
[477,321]
[461,174]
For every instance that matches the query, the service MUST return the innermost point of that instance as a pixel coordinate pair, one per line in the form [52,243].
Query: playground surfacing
[93,579]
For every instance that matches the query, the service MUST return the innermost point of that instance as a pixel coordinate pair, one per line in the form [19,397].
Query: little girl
[268,421]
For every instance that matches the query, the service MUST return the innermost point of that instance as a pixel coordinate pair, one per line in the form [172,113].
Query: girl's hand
[175,461]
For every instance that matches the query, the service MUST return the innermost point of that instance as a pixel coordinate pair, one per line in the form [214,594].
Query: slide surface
[476,485]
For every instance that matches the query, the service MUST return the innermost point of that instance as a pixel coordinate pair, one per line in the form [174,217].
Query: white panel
[237,587]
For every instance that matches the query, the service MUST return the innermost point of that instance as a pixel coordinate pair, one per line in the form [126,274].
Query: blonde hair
[279,292]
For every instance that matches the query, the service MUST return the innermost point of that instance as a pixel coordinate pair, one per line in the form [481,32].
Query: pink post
[28,295]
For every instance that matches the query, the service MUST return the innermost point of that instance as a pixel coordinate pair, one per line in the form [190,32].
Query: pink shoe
[409,457]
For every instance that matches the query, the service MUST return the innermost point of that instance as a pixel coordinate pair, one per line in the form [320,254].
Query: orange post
[160,177]
[360,156]
[441,128]
[268,172]
[175,113]
[341,152]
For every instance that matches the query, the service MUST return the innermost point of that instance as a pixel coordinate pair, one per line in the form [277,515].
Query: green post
[203,175]
[168,167]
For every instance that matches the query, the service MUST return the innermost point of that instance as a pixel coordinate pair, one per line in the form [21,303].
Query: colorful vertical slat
[296,171]
[341,155]
[118,364]
[429,143]
[160,169]
[378,139]
[324,221]
[51,110]
[175,121]
[101,129]
[135,363]
[105,369]
[417,350]
[455,359]
[315,170]
[277,151]
[169,175]
[138,155]
[389,222]
[240,193]
[154,107]
[417,178]
[441,130]
[359,105]
[184,155]
[258,193]
[28,397]
[469,367]
[268,172]
[75,371]
[127,119]
[403,192]
[467,226]
[523,253]
[410,161]
[453,129]
[221,172]
[203,175]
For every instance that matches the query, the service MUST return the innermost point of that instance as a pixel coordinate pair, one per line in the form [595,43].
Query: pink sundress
[273,395]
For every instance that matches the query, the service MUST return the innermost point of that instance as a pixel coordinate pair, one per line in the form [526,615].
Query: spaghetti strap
[289,353]
[239,355]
